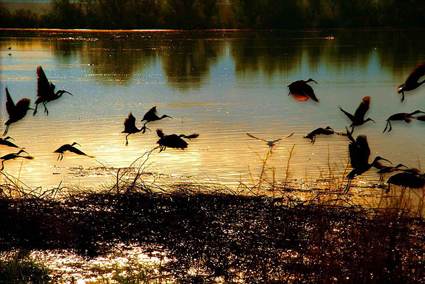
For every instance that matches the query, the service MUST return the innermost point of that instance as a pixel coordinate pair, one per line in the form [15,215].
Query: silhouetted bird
[70,148]
[270,143]
[358,117]
[319,131]
[173,140]
[301,91]
[412,81]
[12,156]
[130,127]
[386,170]
[152,115]
[5,142]
[407,117]
[16,112]
[406,180]
[46,91]
[359,158]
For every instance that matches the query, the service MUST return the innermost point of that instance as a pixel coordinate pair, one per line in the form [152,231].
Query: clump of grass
[18,267]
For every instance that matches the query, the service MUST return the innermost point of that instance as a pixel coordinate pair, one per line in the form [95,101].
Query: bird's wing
[359,152]
[349,115]
[363,108]
[10,105]
[310,92]
[150,113]
[191,136]
[416,74]
[160,133]
[283,137]
[23,104]
[252,136]
[76,151]
[43,85]
[129,122]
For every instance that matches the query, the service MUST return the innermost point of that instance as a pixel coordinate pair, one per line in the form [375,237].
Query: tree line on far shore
[211,14]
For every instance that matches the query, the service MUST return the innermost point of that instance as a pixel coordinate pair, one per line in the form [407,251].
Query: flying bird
[67,147]
[152,115]
[46,91]
[301,91]
[358,117]
[359,158]
[130,127]
[319,131]
[405,179]
[412,81]
[270,143]
[13,156]
[16,112]
[173,140]
[407,117]
[5,141]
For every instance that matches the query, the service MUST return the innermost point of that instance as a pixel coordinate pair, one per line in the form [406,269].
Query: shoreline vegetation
[205,233]
[215,14]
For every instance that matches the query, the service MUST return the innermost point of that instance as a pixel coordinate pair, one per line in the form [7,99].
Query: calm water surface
[218,84]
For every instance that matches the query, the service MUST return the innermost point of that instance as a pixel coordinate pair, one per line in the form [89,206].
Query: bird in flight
[173,140]
[70,148]
[412,81]
[358,117]
[13,156]
[270,143]
[16,112]
[130,127]
[302,91]
[152,115]
[46,91]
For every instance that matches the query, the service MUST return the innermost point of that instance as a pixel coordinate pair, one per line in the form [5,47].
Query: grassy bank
[229,237]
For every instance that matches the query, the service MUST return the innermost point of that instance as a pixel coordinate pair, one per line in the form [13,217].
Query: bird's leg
[2,166]
[402,96]
[347,188]
[58,157]
[126,140]
[35,110]
[6,130]
[386,126]
[45,108]
[388,189]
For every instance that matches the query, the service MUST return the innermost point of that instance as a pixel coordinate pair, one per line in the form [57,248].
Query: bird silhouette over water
[359,158]
[70,148]
[407,117]
[152,115]
[407,179]
[302,91]
[5,141]
[173,140]
[46,91]
[16,112]
[13,156]
[130,127]
[358,117]
[270,143]
[319,131]
[412,81]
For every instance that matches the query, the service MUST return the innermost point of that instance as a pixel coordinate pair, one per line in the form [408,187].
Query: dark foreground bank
[227,237]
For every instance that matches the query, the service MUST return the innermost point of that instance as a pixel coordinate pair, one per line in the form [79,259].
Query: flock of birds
[358,147]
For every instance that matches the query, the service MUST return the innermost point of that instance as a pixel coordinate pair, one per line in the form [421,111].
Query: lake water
[220,84]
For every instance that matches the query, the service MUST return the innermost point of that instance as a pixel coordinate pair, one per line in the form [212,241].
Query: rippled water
[218,84]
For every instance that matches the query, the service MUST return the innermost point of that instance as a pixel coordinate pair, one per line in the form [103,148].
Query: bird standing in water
[407,117]
[130,127]
[46,91]
[13,156]
[412,81]
[358,117]
[270,143]
[152,115]
[70,148]
[301,91]
[173,140]
[359,158]
[16,112]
